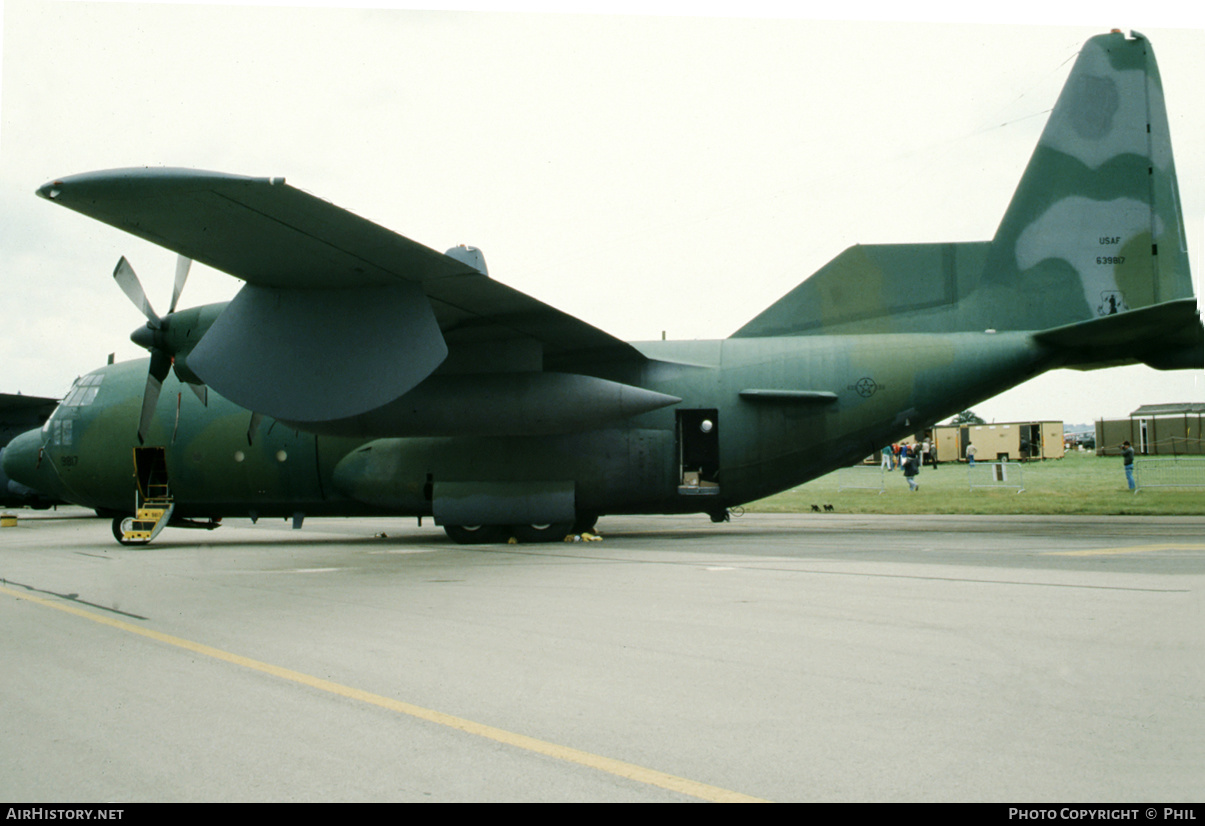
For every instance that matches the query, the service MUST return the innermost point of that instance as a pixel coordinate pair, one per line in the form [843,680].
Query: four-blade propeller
[154,336]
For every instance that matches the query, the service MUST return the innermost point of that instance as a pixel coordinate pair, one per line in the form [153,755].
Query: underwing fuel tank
[501,404]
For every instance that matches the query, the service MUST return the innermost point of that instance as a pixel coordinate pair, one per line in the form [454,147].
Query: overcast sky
[646,173]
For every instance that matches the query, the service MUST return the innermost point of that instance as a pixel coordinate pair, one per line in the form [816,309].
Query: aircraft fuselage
[756,416]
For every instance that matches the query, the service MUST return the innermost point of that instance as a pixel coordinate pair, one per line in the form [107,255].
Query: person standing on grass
[1127,458]
[911,469]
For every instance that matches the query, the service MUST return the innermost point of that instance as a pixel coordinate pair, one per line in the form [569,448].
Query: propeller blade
[150,337]
[127,279]
[182,265]
[161,363]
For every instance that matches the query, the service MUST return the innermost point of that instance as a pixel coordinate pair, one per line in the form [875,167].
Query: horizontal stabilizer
[1165,336]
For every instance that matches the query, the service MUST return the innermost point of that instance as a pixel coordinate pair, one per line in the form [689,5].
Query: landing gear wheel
[477,534]
[120,525]
[585,523]
[555,532]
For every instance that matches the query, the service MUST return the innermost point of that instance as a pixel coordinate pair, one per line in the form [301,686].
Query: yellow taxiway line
[1133,549]
[639,774]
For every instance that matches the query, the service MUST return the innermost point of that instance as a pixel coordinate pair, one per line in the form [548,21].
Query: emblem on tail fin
[1111,303]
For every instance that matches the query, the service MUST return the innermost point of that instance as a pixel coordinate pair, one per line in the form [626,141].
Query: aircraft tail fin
[1094,229]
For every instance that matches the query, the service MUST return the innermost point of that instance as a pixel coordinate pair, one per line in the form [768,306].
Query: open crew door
[699,452]
[154,504]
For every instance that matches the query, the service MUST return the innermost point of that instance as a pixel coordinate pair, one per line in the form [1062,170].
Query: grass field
[1080,483]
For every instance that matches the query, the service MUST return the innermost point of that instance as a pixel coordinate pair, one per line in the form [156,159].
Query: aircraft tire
[555,532]
[477,534]
[119,531]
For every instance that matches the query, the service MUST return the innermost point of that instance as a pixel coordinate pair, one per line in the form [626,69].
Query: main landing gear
[494,534]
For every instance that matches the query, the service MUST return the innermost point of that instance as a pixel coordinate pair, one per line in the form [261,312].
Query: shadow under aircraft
[358,372]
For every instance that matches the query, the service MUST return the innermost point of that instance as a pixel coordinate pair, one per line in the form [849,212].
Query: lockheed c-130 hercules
[360,373]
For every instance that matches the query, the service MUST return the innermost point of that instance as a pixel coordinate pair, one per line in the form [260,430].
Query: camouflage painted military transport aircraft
[387,378]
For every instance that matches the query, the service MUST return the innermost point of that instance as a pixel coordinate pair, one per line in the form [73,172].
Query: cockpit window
[84,391]
[61,433]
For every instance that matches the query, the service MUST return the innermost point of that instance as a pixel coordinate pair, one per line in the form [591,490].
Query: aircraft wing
[20,413]
[273,235]
[333,289]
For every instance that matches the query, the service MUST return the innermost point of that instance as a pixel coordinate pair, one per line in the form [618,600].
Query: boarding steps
[153,512]
[152,517]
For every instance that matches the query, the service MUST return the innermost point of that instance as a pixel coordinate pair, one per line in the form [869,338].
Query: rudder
[1095,227]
